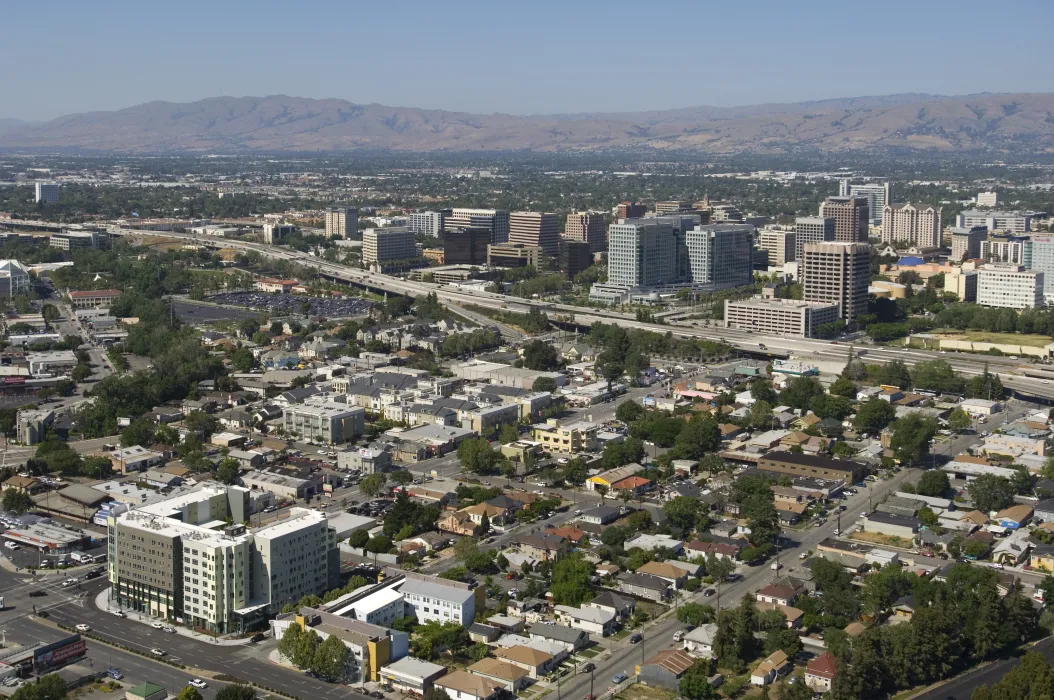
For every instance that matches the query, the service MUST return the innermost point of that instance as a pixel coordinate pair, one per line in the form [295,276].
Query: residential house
[644,586]
[892,525]
[512,677]
[674,575]
[542,547]
[819,674]
[606,479]
[588,619]
[777,594]
[535,662]
[636,486]
[24,484]
[601,515]
[621,607]
[792,614]
[700,641]
[1041,557]
[1012,550]
[462,685]
[665,669]
[496,515]
[653,542]
[724,549]
[772,668]
[570,638]
[457,522]
[1014,517]
[1044,510]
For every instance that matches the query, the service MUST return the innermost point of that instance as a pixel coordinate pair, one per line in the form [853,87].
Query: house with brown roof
[665,571]
[771,668]
[462,685]
[457,522]
[790,612]
[635,485]
[495,514]
[819,674]
[778,594]
[976,517]
[720,550]
[509,675]
[24,484]
[666,668]
[855,629]
[1014,516]
[571,534]
[542,547]
[535,662]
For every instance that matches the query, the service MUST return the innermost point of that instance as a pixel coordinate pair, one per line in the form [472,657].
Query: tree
[696,614]
[540,356]
[760,415]
[484,525]
[379,544]
[785,639]
[477,456]
[227,471]
[936,375]
[97,466]
[927,517]
[189,693]
[238,691]
[139,432]
[800,392]
[545,385]
[874,415]
[959,420]
[682,512]
[719,569]
[359,538]
[401,477]
[16,501]
[843,387]
[290,642]
[331,659]
[629,411]
[989,492]
[695,683]
[985,386]
[49,687]
[933,483]
[698,436]
[570,584]
[508,433]
[372,484]
[912,435]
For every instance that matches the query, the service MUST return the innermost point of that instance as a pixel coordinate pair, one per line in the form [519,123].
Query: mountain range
[983,122]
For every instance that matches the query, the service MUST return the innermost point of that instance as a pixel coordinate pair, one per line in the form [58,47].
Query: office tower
[811,229]
[467,246]
[906,223]
[539,229]
[642,253]
[342,222]
[782,317]
[962,283]
[987,199]
[1013,250]
[878,195]
[837,273]
[966,242]
[1003,221]
[494,220]
[780,245]
[850,216]
[273,233]
[395,243]
[672,207]
[631,210]
[513,255]
[1009,286]
[574,256]
[719,255]
[587,226]
[47,192]
[726,213]
[427,223]
[175,559]
[1043,261]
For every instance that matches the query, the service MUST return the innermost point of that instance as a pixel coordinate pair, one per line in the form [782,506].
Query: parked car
[115,673]
[589,668]
[636,638]
[118,613]
[709,592]
[158,625]
[619,678]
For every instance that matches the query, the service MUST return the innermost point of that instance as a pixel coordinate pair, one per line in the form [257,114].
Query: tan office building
[837,273]
[631,210]
[782,317]
[541,229]
[513,255]
[918,225]
[966,242]
[672,207]
[588,226]
[395,243]
[850,216]
[811,229]
[779,244]
[342,222]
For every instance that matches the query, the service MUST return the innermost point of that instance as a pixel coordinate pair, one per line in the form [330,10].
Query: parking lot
[293,304]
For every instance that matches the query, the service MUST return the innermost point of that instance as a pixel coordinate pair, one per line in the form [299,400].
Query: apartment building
[811,229]
[719,255]
[966,242]
[1011,250]
[780,317]
[467,246]
[918,225]
[878,195]
[780,245]
[631,210]
[1004,221]
[1009,286]
[342,222]
[1043,261]
[565,438]
[588,226]
[513,255]
[494,220]
[394,243]
[47,192]
[439,600]
[178,558]
[325,421]
[574,256]
[837,273]
[532,228]
[428,223]
[851,217]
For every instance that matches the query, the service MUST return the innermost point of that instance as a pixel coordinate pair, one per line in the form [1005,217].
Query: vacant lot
[1037,341]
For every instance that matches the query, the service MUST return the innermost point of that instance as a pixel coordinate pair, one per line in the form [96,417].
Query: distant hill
[989,122]
[9,124]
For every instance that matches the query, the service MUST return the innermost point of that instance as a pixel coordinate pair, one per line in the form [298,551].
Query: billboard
[60,652]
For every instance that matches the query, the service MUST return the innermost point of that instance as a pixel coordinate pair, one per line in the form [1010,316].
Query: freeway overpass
[806,348]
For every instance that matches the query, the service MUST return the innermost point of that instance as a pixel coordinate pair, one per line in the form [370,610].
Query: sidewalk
[102,602]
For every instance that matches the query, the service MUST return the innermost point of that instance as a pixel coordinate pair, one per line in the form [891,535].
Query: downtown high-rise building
[966,242]
[642,253]
[719,255]
[47,192]
[850,216]
[811,229]
[837,273]
[907,223]
[467,246]
[779,244]
[388,244]
[342,222]
[541,229]
[631,210]
[574,257]
[494,220]
[588,226]
[878,194]
[427,223]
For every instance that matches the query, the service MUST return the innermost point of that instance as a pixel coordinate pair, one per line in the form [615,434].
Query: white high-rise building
[780,245]
[1012,250]
[427,223]
[917,225]
[987,199]
[1043,261]
[1009,286]
[811,229]
[878,194]
[719,255]
[394,243]
[494,220]
[274,233]
[47,192]
[342,222]
[1002,221]
[642,253]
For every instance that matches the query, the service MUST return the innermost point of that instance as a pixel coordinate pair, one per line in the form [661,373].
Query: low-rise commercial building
[816,466]
[782,317]
[89,298]
[565,438]
[1009,286]
[410,675]
[281,485]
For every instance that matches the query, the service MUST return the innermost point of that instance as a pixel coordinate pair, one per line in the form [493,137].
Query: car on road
[198,683]
[709,592]
[258,637]
[82,628]
[12,545]
[636,638]
[619,678]
[115,673]
[158,652]
[168,630]
[37,594]
[158,625]
[678,636]
[837,531]
[70,582]
[803,555]
[118,613]
[589,668]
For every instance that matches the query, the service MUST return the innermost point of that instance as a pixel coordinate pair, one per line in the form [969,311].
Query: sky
[533,57]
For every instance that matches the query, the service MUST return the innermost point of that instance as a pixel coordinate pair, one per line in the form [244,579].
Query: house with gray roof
[572,639]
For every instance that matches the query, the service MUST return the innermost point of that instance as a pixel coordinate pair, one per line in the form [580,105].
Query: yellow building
[580,436]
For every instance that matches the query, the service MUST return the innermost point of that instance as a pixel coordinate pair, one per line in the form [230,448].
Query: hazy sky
[516,57]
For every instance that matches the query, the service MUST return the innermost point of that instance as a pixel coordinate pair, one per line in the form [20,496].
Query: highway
[805,348]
